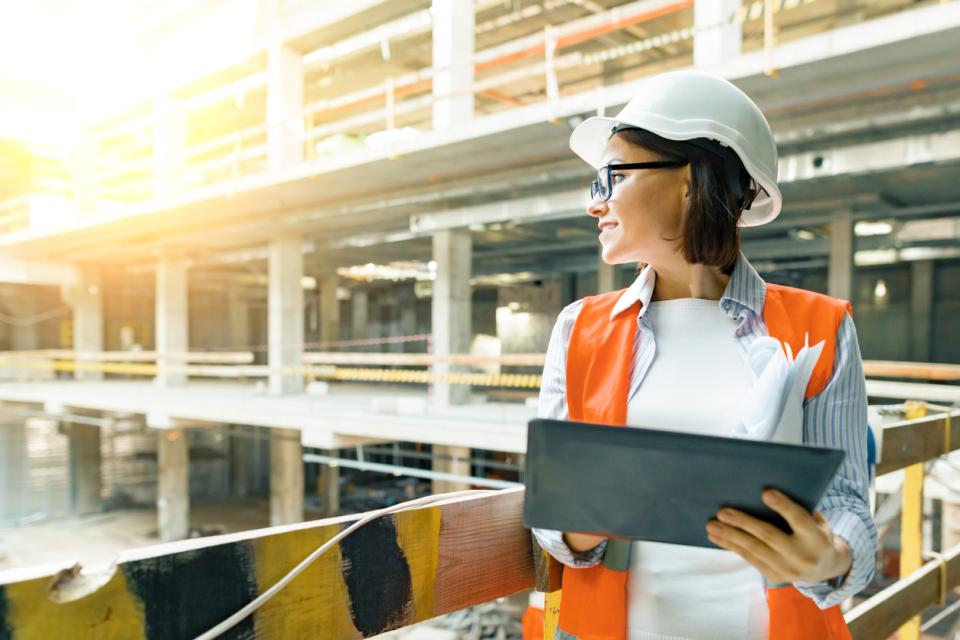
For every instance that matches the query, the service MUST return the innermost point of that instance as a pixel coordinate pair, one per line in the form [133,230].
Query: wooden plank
[392,572]
[914,441]
[913,391]
[920,370]
[884,613]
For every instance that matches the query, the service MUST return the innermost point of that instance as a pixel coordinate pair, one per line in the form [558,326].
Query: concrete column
[717,38]
[840,269]
[85,474]
[238,318]
[568,288]
[328,485]
[87,300]
[286,477]
[241,455]
[921,309]
[169,144]
[285,134]
[453,46]
[85,174]
[173,484]
[14,467]
[24,337]
[329,310]
[451,313]
[285,315]
[459,465]
[359,314]
[172,321]
[606,276]
[950,525]
[408,317]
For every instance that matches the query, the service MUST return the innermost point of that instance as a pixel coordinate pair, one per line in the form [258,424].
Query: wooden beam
[913,391]
[915,441]
[920,370]
[392,572]
[885,612]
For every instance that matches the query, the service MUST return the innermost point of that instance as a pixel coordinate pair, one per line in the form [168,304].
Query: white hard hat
[683,105]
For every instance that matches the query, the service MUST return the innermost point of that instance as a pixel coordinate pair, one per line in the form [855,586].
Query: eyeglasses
[602,185]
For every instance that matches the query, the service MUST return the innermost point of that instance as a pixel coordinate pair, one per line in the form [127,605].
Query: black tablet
[662,486]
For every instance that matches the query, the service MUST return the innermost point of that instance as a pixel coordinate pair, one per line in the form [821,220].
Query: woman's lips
[606,226]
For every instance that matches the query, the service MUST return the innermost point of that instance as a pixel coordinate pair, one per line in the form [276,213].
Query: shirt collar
[746,289]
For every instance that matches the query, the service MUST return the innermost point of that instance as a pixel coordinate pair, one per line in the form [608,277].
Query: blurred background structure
[264,261]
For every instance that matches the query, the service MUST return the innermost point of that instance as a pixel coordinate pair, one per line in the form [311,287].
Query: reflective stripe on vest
[593,604]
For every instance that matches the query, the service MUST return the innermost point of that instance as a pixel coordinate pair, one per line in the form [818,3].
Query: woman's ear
[686,181]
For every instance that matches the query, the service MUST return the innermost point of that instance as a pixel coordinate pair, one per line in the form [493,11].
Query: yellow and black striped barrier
[393,572]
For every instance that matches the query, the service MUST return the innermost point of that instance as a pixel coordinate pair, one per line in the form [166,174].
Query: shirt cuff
[553,542]
[852,529]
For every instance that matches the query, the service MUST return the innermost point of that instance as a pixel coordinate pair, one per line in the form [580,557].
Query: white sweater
[698,382]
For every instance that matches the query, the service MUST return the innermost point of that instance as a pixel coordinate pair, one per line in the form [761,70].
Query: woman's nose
[597,207]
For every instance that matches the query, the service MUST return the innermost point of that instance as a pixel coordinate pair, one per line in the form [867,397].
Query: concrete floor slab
[347,412]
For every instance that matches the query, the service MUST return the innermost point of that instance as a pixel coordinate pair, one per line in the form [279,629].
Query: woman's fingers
[743,540]
[765,531]
[749,552]
[799,519]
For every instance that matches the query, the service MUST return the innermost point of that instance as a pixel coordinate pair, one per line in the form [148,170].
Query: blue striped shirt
[835,418]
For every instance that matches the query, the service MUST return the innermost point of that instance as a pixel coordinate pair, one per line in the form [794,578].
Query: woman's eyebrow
[612,160]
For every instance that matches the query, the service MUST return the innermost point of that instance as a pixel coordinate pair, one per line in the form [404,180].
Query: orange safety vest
[593,605]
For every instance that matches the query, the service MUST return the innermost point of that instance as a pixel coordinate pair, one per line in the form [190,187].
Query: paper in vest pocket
[774,409]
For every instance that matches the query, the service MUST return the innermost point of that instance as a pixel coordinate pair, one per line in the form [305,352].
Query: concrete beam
[286,477]
[173,485]
[172,323]
[285,314]
[14,271]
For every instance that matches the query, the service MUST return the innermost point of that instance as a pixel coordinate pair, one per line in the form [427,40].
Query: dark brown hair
[720,189]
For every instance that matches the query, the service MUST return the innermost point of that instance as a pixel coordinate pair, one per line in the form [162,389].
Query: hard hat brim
[589,140]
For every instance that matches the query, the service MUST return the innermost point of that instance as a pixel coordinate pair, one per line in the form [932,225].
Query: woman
[684,164]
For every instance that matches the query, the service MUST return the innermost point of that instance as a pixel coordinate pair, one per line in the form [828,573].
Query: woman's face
[643,219]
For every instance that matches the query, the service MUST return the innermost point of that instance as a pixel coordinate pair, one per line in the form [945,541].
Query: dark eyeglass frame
[605,188]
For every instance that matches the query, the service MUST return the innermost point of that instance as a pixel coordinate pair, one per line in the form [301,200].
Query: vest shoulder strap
[792,314]
[598,381]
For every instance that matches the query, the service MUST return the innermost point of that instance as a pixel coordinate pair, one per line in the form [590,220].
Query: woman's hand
[811,554]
